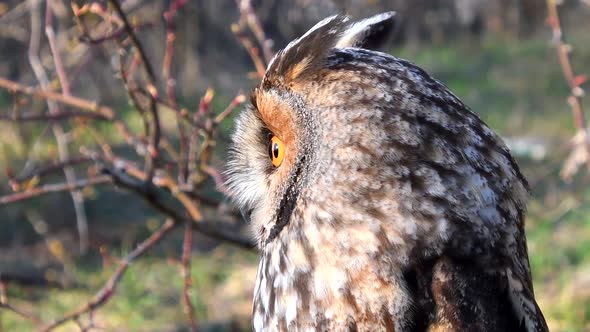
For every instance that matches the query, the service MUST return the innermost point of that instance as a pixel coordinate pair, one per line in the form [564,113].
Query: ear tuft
[306,54]
[369,33]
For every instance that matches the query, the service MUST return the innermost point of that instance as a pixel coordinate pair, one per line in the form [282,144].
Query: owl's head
[339,133]
[278,138]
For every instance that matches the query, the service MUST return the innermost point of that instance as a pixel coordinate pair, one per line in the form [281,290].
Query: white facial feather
[246,179]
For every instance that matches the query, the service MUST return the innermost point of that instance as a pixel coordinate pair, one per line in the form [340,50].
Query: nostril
[246,214]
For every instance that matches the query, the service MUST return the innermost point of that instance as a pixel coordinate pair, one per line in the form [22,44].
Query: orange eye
[276,151]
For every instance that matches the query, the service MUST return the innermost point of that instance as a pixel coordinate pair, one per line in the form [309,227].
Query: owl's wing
[456,295]
[520,288]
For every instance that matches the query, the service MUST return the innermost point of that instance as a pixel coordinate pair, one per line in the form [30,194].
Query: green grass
[148,297]
[560,261]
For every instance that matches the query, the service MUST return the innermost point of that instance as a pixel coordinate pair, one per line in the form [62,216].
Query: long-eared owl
[378,200]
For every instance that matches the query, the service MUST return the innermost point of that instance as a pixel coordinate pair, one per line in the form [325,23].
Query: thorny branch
[16,181]
[60,115]
[154,132]
[172,182]
[4,304]
[249,17]
[52,188]
[169,16]
[186,273]
[249,22]
[107,291]
[581,150]
[76,102]
[158,199]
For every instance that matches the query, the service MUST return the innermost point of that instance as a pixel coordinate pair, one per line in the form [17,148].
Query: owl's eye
[276,151]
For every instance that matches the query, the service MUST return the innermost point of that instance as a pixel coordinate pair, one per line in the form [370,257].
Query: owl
[378,200]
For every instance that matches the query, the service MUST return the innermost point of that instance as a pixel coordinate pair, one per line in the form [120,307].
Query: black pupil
[275,150]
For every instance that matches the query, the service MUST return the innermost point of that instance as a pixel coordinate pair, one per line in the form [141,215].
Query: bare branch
[238,100]
[155,128]
[169,16]
[75,102]
[581,151]
[58,63]
[249,20]
[86,38]
[57,97]
[248,14]
[204,109]
[138,46]
[60,115]
[109,289]
[7,306]
[252,50]
[564,54]
[186,274]
[58,130]
[52,188]
[157,199]
[173,182]
[48,169]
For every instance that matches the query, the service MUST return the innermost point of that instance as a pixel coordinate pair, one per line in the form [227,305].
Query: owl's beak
[246,213]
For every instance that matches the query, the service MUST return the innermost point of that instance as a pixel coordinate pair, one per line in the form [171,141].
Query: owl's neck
[312,277]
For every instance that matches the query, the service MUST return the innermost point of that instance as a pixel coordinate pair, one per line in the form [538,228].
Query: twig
[169,16]
[75,102]
[574,82]
[153,147]
[249,19]
[156,198]
[181,112]
[252,50]
[564,52]
[204,109]
[60,115]
[50,33]
[133,98]
[109,289]
[42,171]
[5,305]
[21,313]
[132,178]
[86,38]
[58,130]
[53,188]
[72,101]
[64,155]
[237,101]
[135,41]
[209,132]
[186,274]
[248,14]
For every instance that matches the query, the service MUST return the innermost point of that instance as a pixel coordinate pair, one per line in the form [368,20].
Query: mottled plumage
[395,208]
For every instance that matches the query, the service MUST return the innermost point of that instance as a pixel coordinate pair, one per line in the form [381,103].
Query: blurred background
[58,248]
